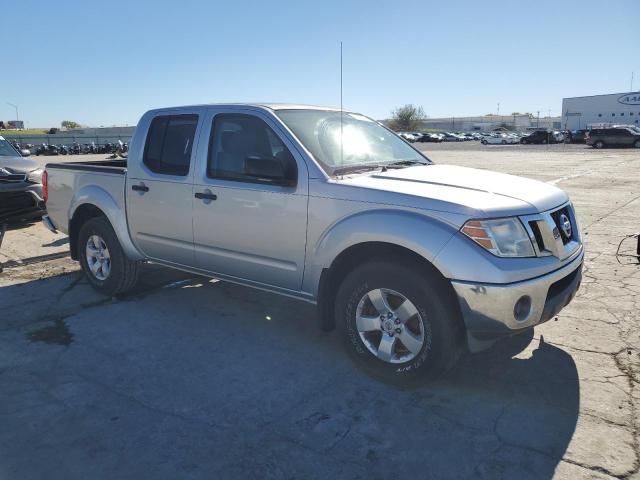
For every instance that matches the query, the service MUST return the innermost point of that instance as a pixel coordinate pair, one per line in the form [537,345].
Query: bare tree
[407,117]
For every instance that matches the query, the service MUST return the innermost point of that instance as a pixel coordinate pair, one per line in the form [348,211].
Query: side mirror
[276,171]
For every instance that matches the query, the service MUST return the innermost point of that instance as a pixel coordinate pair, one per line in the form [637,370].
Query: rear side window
[169,144]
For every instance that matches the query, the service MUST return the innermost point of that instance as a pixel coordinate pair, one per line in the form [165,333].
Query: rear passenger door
[160,188]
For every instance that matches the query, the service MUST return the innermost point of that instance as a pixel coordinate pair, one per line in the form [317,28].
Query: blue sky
[105,63]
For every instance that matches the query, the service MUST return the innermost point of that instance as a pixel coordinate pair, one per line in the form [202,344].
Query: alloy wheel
[98,258]
[390,326]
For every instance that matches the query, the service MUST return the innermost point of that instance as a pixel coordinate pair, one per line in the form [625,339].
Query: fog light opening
[522,308]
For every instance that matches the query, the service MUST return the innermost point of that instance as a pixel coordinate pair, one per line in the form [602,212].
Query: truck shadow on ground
[202,376]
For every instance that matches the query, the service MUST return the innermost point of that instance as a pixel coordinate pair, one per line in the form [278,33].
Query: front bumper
[489,310]
[18,206]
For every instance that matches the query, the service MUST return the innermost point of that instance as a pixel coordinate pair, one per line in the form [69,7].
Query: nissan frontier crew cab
[408,259]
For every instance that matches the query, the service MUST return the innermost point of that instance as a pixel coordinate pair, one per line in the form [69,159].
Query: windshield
[364,141]
[6,149]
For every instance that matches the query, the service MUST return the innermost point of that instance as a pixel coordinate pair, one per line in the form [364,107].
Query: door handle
[140,188]
[206,196]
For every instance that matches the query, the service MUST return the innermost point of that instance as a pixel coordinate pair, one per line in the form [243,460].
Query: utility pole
[16,107]
[498,114]
[538,121]
[631,82]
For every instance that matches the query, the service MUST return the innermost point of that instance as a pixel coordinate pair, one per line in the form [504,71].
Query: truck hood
[465,190]
[18,164]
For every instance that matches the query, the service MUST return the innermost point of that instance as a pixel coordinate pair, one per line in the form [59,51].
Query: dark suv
[539,136]
[613,137]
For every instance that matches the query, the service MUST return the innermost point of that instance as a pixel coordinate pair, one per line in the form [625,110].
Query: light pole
[16,107]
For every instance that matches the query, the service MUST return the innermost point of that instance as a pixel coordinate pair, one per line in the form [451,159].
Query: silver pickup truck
[410,260]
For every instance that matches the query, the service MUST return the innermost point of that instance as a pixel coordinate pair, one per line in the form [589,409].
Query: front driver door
[247,226]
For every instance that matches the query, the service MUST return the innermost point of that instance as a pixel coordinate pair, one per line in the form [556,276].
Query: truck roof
[269,106]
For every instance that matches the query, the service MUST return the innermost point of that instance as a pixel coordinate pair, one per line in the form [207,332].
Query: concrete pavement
[193,378]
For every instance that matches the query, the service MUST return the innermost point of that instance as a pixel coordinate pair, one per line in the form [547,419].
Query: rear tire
[435,321]
[109,271]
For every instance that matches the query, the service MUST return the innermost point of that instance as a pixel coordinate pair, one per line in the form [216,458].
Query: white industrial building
[615,108]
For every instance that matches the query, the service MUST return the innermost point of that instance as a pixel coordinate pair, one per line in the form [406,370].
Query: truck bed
[67,181]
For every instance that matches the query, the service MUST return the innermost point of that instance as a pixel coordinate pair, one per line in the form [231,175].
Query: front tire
[105,265]
[637,144]
[599,144]
[397,322]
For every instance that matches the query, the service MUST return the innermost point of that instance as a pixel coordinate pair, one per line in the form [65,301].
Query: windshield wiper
[359,169]
[406,163]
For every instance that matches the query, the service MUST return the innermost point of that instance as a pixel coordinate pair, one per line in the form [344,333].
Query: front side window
[343,141]
[244,148]
[169,144]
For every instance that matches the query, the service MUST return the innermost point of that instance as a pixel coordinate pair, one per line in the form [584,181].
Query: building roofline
[602,95]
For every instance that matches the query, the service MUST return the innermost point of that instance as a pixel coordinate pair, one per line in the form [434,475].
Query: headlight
[35,176]
[504,237]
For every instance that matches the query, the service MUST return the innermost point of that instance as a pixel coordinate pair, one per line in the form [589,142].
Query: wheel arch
[93,201]
[357,254]
[80,216]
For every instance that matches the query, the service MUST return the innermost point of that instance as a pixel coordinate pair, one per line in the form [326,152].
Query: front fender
[419,233]
[114,210]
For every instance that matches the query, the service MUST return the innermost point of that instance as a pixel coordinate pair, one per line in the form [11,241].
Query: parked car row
[491,138]
[27,149]
[440,137]
[607,136]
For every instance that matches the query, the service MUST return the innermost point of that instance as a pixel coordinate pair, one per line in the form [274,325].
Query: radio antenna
[341,112]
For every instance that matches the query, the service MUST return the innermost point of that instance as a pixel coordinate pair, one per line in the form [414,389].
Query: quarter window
[169,144]
[244,148]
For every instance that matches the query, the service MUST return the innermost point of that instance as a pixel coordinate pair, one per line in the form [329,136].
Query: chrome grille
[548,235]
